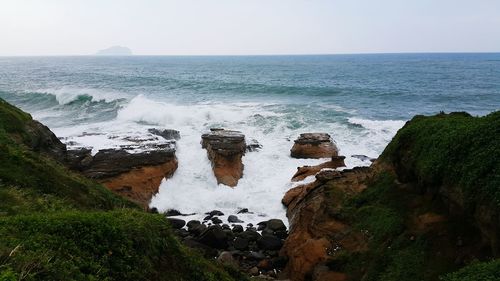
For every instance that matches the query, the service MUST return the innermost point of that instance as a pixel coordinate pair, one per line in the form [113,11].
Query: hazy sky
[234,27]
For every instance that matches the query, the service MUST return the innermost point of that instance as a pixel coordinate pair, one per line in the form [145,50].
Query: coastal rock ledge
[136,176]
[225,148]
[314,145]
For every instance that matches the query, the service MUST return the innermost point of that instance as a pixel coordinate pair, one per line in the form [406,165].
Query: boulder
[240,243]
[136,176]
[253,145]
[167,134]
[176,223]
[275,225]
[314,145]
[305,171]
[225,148]
[234,219]
[215,237]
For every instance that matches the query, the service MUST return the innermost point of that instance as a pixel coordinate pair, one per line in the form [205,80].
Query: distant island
[115,51]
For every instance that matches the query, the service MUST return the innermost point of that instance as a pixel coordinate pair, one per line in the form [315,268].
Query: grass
[58,225]
[455,150]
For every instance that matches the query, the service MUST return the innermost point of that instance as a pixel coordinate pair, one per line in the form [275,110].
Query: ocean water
[360,100]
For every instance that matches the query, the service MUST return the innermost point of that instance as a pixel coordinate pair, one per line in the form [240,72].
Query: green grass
[58,225]
[113,245]
[478,271]
[455,150]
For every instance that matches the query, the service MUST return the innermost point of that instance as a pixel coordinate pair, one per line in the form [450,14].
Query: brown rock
[313,231]
[136,176]
[225,149]
[305,171]
[314,145]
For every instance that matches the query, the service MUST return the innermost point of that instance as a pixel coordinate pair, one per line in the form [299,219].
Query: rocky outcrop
[314,145]
[314,233]
[168,134]
[43,140]
[136,176]
[306,171]
[225,148]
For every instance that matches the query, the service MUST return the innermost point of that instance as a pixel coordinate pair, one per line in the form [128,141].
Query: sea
[360,100]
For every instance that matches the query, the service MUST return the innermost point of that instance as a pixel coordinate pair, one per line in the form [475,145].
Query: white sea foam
[267,173]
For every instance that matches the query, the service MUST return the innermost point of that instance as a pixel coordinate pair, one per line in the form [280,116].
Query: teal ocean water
[361,100]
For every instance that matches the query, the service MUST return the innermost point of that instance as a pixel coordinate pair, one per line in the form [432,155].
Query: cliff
[427,207]
[58,225]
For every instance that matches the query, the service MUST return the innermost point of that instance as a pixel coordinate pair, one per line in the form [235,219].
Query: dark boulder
[234,219]
[275,225]
[240,243]
[237,229]
[176,223]
[167,134]
[272,243]
[215,237]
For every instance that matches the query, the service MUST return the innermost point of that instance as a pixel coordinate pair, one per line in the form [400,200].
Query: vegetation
[452,150]
[479,271]
[58,225]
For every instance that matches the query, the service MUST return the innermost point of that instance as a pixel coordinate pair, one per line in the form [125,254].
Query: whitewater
[361,101]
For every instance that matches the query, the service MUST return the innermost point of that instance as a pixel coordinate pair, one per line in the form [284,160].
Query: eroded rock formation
[136,176]
[225,148]
[306,171]
[314,145]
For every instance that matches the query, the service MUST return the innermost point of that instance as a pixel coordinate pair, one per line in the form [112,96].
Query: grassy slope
[455,150]
[57,225]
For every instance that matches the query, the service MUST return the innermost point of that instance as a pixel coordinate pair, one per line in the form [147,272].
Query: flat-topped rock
[225,148]
[136,176]
[314,145]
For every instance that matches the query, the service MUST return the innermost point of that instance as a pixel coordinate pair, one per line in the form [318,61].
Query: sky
[248,27]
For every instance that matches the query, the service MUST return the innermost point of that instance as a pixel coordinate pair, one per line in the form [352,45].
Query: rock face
[313,232]
[167,134]
[225,149]
[136,176]
[305,171]
[45,141]
[314,145]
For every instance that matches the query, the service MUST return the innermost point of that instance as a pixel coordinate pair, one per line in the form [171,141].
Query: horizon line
[258,55]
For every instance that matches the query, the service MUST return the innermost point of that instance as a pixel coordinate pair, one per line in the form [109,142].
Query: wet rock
[216,220]
[237,229]
[176,223]
[363,157]
[167,134]
[250,235]
[196,228]
[253,145]
[215,237]
[240,243]
[172,212]
[225,149]
[181,232]
[242,211]
[226,258]
[305,171]
[234,219]
[215,213]
[207,251]
[314,145]
[275,225]
[268,242]
[328,175]
[79,159]
[136,176]
[43,140]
